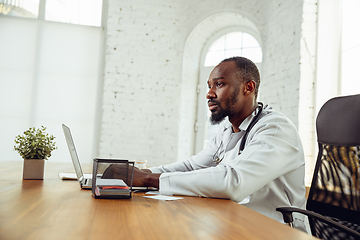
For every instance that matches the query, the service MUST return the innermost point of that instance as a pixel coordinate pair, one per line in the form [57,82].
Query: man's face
[224,97]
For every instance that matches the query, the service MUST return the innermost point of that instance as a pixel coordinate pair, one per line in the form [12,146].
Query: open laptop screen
[72,150]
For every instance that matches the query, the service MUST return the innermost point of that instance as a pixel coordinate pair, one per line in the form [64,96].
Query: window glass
[350,76]
[233,44]
[84,12]
[20,8]
[249,41]
[233,40]
[212,58]
[255,54]
[233,52]
[218,45]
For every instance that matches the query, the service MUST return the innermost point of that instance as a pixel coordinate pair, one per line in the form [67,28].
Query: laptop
[85,183]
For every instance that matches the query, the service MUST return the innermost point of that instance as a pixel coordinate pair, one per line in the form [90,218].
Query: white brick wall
[289,67]
[153,51]
[281,56]
[142,79]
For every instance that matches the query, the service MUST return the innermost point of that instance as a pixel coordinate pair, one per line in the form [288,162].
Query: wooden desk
[56,209]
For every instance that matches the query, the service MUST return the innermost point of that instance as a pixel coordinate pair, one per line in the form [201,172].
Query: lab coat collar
[243,126]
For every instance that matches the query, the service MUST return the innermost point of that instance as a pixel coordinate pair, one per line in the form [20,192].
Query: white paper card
[163,197]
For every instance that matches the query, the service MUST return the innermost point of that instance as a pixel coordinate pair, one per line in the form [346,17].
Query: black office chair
[333,204]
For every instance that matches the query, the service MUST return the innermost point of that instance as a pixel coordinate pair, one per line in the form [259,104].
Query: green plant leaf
[35,144]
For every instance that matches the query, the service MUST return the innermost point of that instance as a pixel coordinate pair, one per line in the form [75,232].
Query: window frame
[42,9]
[224,32]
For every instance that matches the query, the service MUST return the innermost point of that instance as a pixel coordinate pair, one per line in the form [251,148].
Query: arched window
[235,43]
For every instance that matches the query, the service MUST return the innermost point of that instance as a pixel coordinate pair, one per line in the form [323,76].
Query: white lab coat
[269,173]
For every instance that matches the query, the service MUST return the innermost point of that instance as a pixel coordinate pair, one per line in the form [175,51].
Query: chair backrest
[335,188]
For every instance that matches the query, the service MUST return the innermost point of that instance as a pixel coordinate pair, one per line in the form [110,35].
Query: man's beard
[222,113]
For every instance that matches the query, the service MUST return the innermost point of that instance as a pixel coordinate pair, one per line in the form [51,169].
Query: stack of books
[111,187]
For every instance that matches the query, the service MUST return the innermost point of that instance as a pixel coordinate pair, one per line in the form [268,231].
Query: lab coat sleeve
[203,159]
[273,148]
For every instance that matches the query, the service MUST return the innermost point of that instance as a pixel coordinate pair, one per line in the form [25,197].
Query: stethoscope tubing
[217,159]
[251,125]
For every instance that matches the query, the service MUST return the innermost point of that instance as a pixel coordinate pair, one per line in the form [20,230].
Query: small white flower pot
[33,169]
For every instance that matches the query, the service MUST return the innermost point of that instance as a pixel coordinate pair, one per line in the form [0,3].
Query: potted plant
[34,146]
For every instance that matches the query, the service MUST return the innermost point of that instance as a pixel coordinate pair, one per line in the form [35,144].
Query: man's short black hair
[246,70]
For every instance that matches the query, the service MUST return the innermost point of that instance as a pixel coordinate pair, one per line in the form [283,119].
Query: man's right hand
[141,178]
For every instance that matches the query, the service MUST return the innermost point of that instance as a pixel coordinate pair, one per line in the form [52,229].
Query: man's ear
[249,87]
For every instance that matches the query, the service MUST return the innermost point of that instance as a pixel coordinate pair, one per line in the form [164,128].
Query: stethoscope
[217,159]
